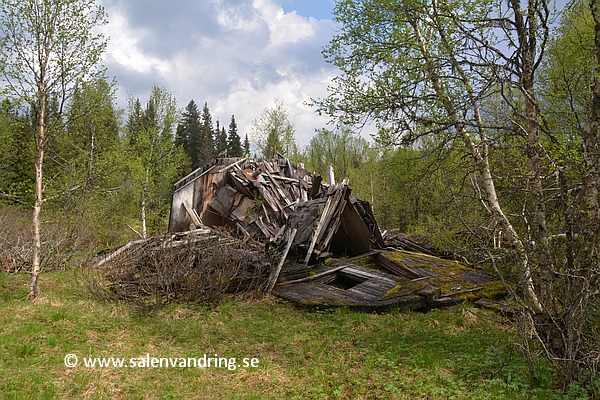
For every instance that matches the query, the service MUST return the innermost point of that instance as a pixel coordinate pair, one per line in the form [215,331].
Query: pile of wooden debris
[383,279]
[270,199]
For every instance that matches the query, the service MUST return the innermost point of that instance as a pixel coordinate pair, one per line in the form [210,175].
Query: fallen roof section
[379,280]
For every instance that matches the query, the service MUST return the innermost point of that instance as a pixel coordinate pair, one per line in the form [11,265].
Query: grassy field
[458,353]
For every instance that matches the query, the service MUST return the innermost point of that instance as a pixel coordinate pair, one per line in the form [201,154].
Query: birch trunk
[591,178]
[144,194]
[482,163]
[37,207]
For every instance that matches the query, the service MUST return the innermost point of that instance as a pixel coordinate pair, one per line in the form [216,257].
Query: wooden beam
[321,225]
[275,273]
[331,175]
[119,251]
[193,215]
[313,277]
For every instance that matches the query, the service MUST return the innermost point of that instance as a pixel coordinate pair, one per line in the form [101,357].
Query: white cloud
[284,27]
[236,55]
[123,49]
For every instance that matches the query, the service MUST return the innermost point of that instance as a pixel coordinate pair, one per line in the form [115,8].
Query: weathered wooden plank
[120,250]
[235,164]
[374,289]
[275,274]
[323,222]
[242,184]
[318,293]
[293,270]
[369,274]
[316,276]
[477,277]
[396,267]
[271,201]
[333,228]
[193,215]
[243,209]
[315,186]
[192,177]
[331,175]
[263,228]
[358,257]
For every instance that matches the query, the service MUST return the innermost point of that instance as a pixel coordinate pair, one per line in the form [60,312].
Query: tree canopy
[272,132]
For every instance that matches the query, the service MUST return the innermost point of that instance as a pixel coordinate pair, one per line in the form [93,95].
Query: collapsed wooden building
[284,206]
[274,200]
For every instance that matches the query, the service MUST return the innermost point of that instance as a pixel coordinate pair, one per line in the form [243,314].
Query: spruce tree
[16,148]
[134,124]
[206,148]
[246,145]
[234,144]
[189,133]
[220,141]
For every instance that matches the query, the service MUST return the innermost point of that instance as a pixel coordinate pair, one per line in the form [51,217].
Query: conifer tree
[206,147]
[16,149]
[153,159]
[189,132]
[246,145]
[134,121]
[220,140]
[234,144]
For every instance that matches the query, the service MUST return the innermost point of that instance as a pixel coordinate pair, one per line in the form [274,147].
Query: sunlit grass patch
[459,352]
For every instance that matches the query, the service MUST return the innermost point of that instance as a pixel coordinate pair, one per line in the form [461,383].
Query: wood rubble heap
[270,199]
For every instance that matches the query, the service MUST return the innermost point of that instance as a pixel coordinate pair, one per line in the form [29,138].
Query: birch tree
[47,47]
[272,132]
[415,69]
[467,72]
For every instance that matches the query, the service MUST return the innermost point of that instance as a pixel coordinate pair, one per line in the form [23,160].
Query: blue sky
[236,55]
[320,9]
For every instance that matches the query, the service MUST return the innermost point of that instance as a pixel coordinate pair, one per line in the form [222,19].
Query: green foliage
[567,74]
[246,145]
[220,140]
[34,31]
[154,162]
[483,80]
[188,133]
[206,147]
[35,72]
[273,132]
[386,68]
[16,153]
[83,154]
[342,150]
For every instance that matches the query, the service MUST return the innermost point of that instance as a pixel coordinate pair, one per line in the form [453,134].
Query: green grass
[457,353]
